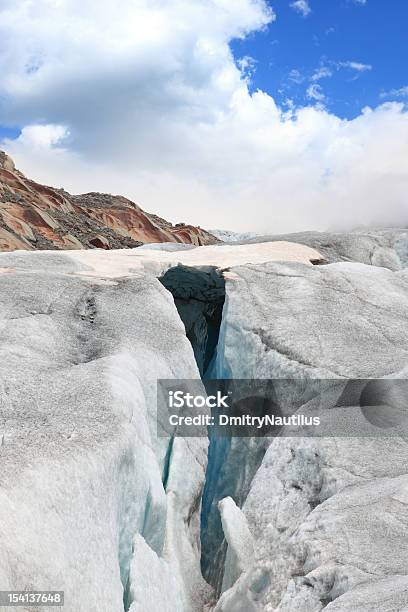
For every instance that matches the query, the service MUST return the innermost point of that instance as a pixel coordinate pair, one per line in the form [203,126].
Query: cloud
[360,1]
[324,71]
[328,67]
[296,76]
[302,7]
[321,73]
[358,66]
[315,92]
[43,137]
[247,65]
[149,102]
[402,92]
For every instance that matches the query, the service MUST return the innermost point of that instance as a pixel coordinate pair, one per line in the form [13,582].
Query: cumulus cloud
[149,102]
[302,7]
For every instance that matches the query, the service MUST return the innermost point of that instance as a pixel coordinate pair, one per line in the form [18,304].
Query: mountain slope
[34,216]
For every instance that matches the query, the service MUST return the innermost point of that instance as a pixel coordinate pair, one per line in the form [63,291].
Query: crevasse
[202,303]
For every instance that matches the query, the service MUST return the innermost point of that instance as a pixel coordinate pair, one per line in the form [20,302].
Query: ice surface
[84,339]
[230,236]
[223,256]
[94,502]
[386,248]
[153,586]
[167,246]
[81,463]
[240,554]
[328,516]
[343,319]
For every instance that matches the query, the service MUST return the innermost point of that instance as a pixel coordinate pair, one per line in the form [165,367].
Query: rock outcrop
[34,216]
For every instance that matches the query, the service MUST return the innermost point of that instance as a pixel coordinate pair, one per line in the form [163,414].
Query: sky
[247,115]
[353,53]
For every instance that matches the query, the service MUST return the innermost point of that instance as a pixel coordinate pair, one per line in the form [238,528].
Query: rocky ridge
[34,216]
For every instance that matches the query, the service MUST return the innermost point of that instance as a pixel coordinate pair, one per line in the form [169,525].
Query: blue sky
[334,34]
[7,132]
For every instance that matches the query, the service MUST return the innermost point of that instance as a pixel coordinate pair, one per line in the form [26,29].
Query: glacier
[82,464]
[327,515]
[98,501]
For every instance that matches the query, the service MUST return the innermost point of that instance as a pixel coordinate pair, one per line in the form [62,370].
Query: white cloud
[43,136]
[302,7]
[358,66]
[360,1]
[315,92]
[149,102]
[402,92]
[296,76]
[324,71]
[321,73]
[247,65]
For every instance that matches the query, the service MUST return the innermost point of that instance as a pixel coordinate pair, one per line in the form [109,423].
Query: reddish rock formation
[34,216]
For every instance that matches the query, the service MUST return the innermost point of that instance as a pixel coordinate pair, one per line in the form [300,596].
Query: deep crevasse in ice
[232,462]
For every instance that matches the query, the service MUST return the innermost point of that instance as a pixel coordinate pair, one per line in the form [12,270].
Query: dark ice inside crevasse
[199,296]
